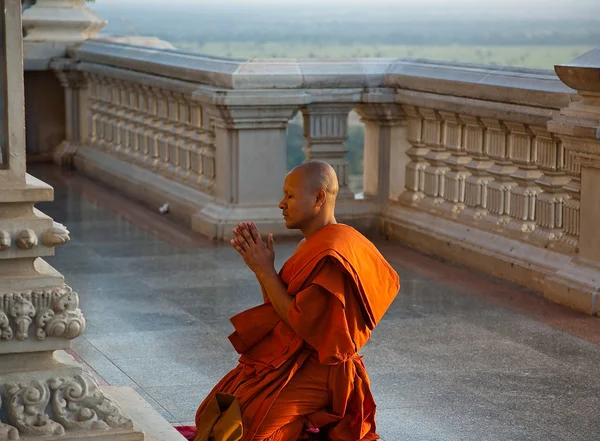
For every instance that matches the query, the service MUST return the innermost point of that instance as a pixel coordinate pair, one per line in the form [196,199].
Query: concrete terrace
[459,356]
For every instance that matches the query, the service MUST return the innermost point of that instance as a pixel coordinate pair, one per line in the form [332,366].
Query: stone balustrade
[460,160]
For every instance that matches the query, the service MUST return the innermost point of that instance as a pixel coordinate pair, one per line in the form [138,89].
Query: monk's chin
[290,225]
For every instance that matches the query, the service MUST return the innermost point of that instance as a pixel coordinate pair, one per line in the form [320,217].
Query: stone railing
[462,161]
[483,156]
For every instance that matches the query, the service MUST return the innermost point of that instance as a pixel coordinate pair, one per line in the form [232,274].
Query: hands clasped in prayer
[259,257]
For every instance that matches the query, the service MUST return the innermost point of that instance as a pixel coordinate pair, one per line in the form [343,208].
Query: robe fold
[309,374]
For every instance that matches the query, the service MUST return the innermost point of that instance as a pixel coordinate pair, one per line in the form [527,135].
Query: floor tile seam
[135,383]
[159,403]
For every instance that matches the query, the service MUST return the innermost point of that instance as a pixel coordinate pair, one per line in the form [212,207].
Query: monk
[299,374]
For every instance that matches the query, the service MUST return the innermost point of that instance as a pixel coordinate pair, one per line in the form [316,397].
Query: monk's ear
[321,196]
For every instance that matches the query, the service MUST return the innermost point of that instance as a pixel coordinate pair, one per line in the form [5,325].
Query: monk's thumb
[270,242]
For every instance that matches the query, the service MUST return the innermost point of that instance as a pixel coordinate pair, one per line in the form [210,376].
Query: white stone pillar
[50,26]
[578,127]
[325,131]
[44,392]
[249,168]
[385,160]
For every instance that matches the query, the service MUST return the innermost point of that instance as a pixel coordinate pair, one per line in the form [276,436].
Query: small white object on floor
[164,209]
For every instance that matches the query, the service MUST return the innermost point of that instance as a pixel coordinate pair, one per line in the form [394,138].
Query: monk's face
[299,204]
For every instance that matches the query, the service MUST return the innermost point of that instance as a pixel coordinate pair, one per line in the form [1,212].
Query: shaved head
[318,175]
[309,193]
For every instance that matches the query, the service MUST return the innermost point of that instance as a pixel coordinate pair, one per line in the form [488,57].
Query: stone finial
[56,236]
[5,240]
[583,73]
[26,239]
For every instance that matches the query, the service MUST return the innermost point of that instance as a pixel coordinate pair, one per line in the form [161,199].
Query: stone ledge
[533,87]
[556,276]
[144,417]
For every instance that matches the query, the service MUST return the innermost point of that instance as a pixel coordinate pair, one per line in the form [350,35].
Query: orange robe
[309,374]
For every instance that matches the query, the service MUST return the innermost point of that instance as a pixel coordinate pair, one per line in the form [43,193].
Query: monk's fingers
[255,233]
[236,246]
[248,236]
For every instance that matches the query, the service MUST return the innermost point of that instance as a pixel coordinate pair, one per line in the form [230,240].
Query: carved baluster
[550,203]
[183,142]
[476,185]
[126,125]
[572,206]
[116,117]
[93,107]
[325,131]
[176,128]
[523,152]
[103,105]
[415,170]
[436,157]
[195,145]
[162,126]
[455,178]
[499,190]
[153,119]
[139,118]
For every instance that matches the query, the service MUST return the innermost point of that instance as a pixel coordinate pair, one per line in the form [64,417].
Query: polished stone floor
[459,356]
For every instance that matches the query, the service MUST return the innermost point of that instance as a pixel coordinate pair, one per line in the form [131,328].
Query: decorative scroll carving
[56,236]
[55,313]
[78,404]
[26,409]
[58,406]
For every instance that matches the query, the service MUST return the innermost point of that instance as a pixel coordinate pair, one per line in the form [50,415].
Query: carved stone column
[44,392]
[247,168]
[325,131]
[578,127]
[385,160]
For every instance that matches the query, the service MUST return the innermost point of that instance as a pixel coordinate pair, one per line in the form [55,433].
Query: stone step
[144,416]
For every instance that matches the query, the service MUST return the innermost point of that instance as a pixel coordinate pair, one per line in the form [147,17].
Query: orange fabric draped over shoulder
[342,286]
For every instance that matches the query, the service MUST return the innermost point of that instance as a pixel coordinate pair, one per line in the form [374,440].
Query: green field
[543,57]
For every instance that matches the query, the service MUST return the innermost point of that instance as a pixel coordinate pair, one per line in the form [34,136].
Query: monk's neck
[314,229]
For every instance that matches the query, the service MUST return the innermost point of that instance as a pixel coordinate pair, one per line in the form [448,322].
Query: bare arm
[277,293]
[262,288]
